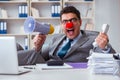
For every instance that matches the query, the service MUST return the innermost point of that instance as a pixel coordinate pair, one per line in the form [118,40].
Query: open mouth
[70,31]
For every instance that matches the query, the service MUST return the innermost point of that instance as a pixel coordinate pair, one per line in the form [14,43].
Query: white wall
[108,11]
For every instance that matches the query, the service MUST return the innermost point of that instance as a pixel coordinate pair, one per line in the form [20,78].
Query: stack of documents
[101,63]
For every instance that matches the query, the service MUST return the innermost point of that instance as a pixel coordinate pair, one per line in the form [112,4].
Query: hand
[39,41]
[102,40]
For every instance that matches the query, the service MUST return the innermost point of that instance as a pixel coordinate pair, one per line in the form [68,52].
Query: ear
[80,22]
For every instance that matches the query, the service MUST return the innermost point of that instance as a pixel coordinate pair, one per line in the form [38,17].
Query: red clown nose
[69,25]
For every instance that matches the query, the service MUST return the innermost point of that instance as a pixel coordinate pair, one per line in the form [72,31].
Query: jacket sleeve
[29,57]
[19,47]
[109,47]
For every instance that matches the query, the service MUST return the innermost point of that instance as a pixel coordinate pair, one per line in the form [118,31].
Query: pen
[29,67]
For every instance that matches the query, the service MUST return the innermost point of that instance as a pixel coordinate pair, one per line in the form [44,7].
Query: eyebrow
[69,19]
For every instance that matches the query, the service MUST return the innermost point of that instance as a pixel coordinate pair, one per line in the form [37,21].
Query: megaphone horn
[31,25]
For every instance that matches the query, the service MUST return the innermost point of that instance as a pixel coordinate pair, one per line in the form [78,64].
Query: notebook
[8,56]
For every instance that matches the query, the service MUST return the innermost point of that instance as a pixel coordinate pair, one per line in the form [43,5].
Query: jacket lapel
[79,43]
[56,43]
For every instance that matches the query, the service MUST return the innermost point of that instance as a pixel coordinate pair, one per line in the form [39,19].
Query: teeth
[70,29]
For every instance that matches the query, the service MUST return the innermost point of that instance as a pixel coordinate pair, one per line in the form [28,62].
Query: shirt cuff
[106,50]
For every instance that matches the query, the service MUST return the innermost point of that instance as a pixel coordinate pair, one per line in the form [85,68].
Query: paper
[46,67]
[101,63]
[79,65]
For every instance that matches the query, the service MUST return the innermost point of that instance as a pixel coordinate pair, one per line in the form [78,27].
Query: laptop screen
[8,55]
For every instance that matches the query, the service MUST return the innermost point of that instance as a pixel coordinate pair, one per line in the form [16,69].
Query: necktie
[64,49]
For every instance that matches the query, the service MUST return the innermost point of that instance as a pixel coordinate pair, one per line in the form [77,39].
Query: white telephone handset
[105,29]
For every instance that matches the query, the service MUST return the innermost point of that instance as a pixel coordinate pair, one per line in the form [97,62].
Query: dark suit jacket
[77,53]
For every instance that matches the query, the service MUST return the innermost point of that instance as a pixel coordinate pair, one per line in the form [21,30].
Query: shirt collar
[77,38]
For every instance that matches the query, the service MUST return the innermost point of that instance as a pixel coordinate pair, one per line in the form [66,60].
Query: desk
[63,74]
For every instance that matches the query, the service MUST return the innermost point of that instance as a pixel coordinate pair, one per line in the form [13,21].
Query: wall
[108,11]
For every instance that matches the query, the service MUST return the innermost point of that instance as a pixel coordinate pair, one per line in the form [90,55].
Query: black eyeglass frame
[70,20]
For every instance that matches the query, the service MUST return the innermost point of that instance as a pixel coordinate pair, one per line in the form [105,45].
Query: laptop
[8,56]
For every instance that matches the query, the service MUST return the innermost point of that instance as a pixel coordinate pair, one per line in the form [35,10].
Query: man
[81,42]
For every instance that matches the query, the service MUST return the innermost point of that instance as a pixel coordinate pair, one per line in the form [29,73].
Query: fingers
[38,41]
[102,40]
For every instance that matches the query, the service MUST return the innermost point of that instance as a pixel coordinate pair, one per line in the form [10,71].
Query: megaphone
[31,25]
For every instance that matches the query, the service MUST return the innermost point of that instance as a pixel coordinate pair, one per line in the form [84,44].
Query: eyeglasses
[70,20]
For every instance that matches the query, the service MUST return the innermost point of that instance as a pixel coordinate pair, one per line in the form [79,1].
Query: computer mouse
[54,62]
